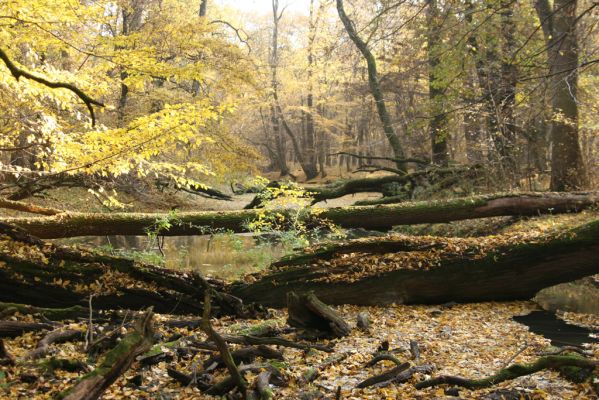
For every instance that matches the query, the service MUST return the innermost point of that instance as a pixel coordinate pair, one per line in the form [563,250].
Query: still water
[223,256]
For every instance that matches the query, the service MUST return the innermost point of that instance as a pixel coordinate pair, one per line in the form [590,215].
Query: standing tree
[559,28]
[438,119]
[375,88]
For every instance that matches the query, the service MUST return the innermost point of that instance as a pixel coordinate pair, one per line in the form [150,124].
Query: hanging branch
[17,73]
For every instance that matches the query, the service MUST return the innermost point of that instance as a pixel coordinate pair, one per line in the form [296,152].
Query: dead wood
[307,312]
[56,336]
[12,329]
[115,362]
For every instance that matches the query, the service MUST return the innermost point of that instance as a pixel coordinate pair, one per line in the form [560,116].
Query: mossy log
[115,362]
[562,364]
[28,208]
[54,314]
[498,268]
[381,217]
[57,282]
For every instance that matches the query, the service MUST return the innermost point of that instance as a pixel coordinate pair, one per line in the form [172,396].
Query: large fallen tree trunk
[433,270]
[62,279]
[369,217]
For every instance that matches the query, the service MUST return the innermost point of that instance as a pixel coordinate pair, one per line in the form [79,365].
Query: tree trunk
[274,109]
[461,270]
[438,119]
[368,217]
[375,87]
[568,171]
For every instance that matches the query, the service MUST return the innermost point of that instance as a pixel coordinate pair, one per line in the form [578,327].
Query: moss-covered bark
[368,217]
[55,314]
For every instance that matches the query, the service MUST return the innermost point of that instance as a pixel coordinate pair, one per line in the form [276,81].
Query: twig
[89,335]
[512,358]
[254,340]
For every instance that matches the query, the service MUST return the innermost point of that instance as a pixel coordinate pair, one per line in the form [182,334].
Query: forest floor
[470,340]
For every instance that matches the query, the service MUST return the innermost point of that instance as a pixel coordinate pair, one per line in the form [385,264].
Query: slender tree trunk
[274,109]
[506,96]
[310,149]
[131,22]
[375,88]
[203,8]
[438,122]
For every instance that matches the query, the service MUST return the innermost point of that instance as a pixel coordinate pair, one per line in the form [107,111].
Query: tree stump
[307,312]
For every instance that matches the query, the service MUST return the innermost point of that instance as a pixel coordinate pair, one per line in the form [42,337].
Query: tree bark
[460,270]
[368,217]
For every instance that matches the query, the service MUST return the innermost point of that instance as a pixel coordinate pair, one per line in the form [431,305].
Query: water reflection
[223,256]
[580,296]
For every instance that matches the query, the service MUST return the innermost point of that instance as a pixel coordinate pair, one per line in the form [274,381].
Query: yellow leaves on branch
[169,127]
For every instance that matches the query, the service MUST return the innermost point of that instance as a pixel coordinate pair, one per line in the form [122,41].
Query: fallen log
[29,208]
[58,281]
[12,329]
[54,314]
[390,185]
[381,217]
[115,363]
[496,268]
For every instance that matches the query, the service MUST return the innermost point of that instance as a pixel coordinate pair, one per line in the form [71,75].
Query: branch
[30,208]
[512,372]
[237,30]
[18,73]
[222,346]
[362,157]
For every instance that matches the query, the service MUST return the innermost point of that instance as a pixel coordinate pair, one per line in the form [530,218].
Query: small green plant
[288,216]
